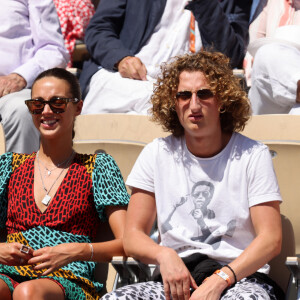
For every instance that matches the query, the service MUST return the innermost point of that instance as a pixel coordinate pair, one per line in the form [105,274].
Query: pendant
[46,200]
[49,172]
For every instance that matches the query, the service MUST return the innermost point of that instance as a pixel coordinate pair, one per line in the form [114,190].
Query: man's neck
[207,146]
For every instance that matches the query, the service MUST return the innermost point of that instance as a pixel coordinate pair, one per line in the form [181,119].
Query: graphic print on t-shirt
[199,199]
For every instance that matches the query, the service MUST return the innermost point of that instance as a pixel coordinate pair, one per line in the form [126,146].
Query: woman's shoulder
[96,161]
[14,160]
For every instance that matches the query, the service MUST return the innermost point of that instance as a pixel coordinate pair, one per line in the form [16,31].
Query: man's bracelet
[224,276]
[227,266]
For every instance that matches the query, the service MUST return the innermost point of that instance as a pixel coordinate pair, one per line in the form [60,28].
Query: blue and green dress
[73,216]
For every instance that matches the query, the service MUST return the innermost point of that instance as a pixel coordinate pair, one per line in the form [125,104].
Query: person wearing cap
[275,50]
[129,39]
[213,191]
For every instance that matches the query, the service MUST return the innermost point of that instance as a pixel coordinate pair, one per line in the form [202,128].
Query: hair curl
[233,101]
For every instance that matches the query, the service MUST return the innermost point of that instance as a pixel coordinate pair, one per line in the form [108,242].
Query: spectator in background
[31,42]
[275,74]
[129,39]
[74,17]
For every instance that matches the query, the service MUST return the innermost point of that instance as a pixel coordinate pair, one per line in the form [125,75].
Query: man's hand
[11,83]
[176,277]
[132,67]
[211,289]
[298,92]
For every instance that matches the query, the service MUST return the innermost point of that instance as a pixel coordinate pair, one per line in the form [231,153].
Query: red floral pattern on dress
[74,17]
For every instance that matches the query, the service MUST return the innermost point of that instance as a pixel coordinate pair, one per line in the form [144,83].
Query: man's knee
[267,57]
[13,106]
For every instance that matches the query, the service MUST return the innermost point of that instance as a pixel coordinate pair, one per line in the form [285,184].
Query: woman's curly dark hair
[233,101]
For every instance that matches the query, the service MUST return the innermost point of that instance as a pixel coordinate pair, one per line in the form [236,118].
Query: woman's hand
[11,254]
[211,289]
[53,258]
[177,279]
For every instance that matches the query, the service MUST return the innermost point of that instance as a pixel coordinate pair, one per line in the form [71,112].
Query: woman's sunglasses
[203,94]
[57,104]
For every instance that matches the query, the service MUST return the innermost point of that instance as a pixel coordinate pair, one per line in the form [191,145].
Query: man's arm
[49,46]
[102,36]
[104,43]
[141,214]
[224,26]
[267,244]
[11,83]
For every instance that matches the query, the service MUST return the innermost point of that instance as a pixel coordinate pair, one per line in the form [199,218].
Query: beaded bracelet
[235,281]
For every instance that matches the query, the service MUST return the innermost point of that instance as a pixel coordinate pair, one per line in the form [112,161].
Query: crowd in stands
[173,60]
[129,39]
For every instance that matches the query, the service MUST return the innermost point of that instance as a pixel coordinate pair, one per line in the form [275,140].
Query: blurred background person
[31,42]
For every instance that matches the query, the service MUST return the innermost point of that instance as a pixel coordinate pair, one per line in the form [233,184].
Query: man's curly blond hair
[233,102]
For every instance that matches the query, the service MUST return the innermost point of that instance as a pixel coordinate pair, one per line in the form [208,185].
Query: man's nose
[195,103]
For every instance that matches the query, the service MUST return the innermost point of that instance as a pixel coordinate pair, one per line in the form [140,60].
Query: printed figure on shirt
[129,39]
[29,46]
[200,197]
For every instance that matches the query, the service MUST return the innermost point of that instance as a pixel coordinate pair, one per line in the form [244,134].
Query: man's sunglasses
[57,104]
[203,94]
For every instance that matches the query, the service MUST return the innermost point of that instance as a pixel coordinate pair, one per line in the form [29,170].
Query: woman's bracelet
[235,281]
[92,251]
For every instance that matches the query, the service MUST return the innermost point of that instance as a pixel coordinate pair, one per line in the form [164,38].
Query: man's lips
[195,117]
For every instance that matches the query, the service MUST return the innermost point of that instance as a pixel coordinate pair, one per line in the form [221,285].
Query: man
[31,42]
[129,39]
[234,228]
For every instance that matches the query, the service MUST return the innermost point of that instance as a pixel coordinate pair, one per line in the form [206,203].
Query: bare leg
[4,291]
[39,289]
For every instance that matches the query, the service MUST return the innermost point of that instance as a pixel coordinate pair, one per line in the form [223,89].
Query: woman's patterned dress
[74,215]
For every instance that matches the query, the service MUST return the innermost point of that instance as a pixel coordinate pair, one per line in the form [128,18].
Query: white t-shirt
[203,203]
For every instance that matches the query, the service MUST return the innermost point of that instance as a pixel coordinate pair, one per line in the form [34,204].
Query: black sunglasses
[203,94]
[57,104]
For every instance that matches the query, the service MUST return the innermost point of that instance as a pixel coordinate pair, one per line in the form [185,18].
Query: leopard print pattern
[246,289]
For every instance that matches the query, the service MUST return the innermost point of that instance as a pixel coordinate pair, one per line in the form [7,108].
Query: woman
[52,202]
[213,191]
